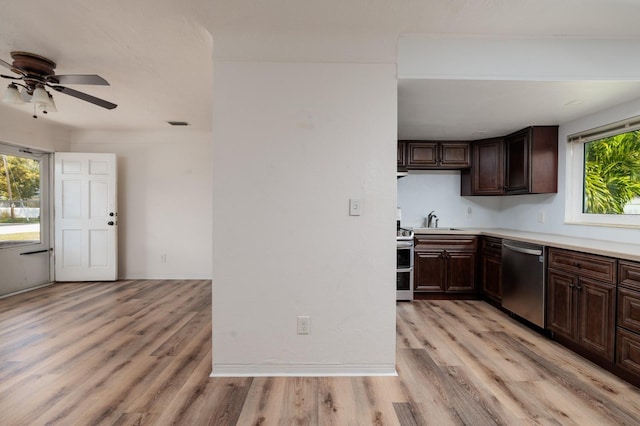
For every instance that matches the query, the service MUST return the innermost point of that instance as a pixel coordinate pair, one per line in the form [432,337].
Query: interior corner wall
[521,211]
[164,201]
[292,143]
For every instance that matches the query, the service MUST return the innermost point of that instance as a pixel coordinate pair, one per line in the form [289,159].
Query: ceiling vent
[178,123]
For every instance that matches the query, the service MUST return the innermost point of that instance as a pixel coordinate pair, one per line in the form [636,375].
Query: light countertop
[602,247]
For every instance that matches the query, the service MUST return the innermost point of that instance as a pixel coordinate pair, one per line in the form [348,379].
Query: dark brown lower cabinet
[628,331]
[445,264]
[581,310]
[491,268]
[628,351]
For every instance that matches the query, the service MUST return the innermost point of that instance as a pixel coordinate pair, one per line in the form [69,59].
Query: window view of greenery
[19,200]
[612,175]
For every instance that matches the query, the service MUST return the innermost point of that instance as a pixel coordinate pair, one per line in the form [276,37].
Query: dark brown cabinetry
[445,264]
[531,161]
[486,176]
[429,155]
[628,330]
[581,290]
[524,162]
[491,268]
[402,156]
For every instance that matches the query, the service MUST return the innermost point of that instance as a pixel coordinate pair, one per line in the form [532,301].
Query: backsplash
[423,191]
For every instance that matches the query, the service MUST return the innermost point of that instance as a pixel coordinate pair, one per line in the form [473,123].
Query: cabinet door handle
[571,285]
[579,288]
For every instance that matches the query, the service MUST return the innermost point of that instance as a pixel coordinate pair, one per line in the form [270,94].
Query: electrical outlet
[304,325]
[163,258]
[355,207]
[541,216]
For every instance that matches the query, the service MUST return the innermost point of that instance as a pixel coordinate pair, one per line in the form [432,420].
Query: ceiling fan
[36,73]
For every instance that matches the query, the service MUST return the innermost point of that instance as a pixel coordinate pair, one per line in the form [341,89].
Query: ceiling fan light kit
[40,96]
[12,95]
[36,73]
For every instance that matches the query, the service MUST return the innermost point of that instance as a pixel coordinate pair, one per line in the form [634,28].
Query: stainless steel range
[404,264]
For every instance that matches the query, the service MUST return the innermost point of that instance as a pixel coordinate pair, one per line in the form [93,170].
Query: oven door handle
[404,244]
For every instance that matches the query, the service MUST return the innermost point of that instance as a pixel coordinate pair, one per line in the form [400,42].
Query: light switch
[355,207]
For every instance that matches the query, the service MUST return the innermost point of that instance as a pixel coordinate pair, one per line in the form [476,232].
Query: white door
[86,217]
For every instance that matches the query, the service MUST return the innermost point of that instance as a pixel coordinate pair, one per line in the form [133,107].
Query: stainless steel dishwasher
[523,279]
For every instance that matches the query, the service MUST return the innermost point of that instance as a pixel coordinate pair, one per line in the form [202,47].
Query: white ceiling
[157,55]
[157,61]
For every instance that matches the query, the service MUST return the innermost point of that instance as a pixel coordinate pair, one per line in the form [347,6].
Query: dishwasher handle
[524,250]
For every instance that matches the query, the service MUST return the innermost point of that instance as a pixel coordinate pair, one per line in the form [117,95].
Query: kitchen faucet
[430,217]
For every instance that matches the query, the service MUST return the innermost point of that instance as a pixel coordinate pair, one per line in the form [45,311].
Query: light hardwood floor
[139,353]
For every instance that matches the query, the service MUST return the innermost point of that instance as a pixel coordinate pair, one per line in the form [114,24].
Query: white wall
[164,200]
[423,191]
[21,129]
[292,143]
[523,58]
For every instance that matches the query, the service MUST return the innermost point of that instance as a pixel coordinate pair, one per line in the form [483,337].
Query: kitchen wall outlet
[541,216]
[163,258]
[304,324]
[355,207]
[469,211]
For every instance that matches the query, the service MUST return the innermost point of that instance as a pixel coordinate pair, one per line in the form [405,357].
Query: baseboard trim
[302,370]
[27,290]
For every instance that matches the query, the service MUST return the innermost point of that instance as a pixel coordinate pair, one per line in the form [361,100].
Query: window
[20,183]
[603,175]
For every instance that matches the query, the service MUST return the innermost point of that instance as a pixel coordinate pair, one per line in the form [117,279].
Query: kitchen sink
[439,229]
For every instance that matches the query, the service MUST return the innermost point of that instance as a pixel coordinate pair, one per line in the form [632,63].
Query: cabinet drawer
[629,274]
[582,264]
[628,350]
[492,246]
[629,309]
[446,242]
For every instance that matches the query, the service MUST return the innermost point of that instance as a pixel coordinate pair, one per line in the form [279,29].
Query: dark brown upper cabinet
[524,162]
[486,176]
[402,156]
[433,155]
[531,161]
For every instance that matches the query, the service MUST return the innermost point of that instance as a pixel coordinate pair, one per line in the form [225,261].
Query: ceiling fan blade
[6,64]
[84,97]
[78,79]
[11,67]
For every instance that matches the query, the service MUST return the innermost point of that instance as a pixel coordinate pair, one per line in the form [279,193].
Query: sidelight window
[20,183]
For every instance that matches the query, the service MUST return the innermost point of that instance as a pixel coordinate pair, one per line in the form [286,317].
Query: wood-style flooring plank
[138,352]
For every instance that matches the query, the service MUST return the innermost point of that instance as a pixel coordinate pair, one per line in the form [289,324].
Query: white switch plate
[541,216]
[304,325]
[355,207]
